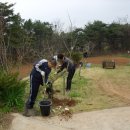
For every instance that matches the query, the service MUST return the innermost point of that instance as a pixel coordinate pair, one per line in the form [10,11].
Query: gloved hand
[42,73]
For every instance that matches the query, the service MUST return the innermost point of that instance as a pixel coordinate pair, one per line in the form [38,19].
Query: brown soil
[98,60]
[63,102]
[66,115]
[25,70]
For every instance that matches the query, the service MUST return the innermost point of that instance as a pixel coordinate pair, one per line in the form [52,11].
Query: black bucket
[45,107]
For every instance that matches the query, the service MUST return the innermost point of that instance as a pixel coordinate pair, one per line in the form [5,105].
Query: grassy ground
[91,89]
[95,89]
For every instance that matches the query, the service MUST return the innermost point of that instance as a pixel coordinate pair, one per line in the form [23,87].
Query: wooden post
[80,71]
[64,83]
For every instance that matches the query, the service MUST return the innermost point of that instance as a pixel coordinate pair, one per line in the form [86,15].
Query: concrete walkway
[108,119]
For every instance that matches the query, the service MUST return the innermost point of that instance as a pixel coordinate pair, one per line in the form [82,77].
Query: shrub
[76,57]
[12,91]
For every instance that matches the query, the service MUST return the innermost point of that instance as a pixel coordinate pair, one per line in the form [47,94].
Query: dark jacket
[41,65]
[68,64]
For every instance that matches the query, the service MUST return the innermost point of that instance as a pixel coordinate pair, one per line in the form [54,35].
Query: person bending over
[38,76]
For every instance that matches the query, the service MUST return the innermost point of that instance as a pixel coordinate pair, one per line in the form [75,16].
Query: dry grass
[98,88]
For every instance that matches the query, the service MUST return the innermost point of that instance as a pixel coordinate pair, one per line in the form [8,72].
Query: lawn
[96,88]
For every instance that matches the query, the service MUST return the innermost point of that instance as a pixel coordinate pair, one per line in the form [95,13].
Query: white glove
[42,73]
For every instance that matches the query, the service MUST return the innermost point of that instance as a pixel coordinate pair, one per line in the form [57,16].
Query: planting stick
[80,71]
[64,85]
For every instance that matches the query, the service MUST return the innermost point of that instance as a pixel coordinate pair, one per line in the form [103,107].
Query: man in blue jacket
[39,76]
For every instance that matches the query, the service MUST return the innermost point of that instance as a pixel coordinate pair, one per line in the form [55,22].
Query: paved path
[108,119]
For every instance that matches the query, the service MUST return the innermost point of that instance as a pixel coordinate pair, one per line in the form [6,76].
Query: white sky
[80,11]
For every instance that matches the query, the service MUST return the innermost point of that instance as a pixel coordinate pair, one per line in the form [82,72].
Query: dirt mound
[63,102]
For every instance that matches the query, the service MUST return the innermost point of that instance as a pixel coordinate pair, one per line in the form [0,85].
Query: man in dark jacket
[70,66]
[39,76]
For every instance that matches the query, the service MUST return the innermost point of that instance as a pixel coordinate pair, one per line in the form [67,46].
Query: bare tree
[73,43]
[58,26]
[3,49]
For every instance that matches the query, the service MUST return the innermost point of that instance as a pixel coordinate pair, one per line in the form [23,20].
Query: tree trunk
[3,52]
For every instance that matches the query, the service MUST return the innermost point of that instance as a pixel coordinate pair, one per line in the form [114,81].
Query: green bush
[76,57]
[12,91]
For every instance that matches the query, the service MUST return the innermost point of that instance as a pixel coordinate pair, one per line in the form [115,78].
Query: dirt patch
[65,115]
[63,102]
[98,60]
[61,107]
[5,121]
[24,70]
